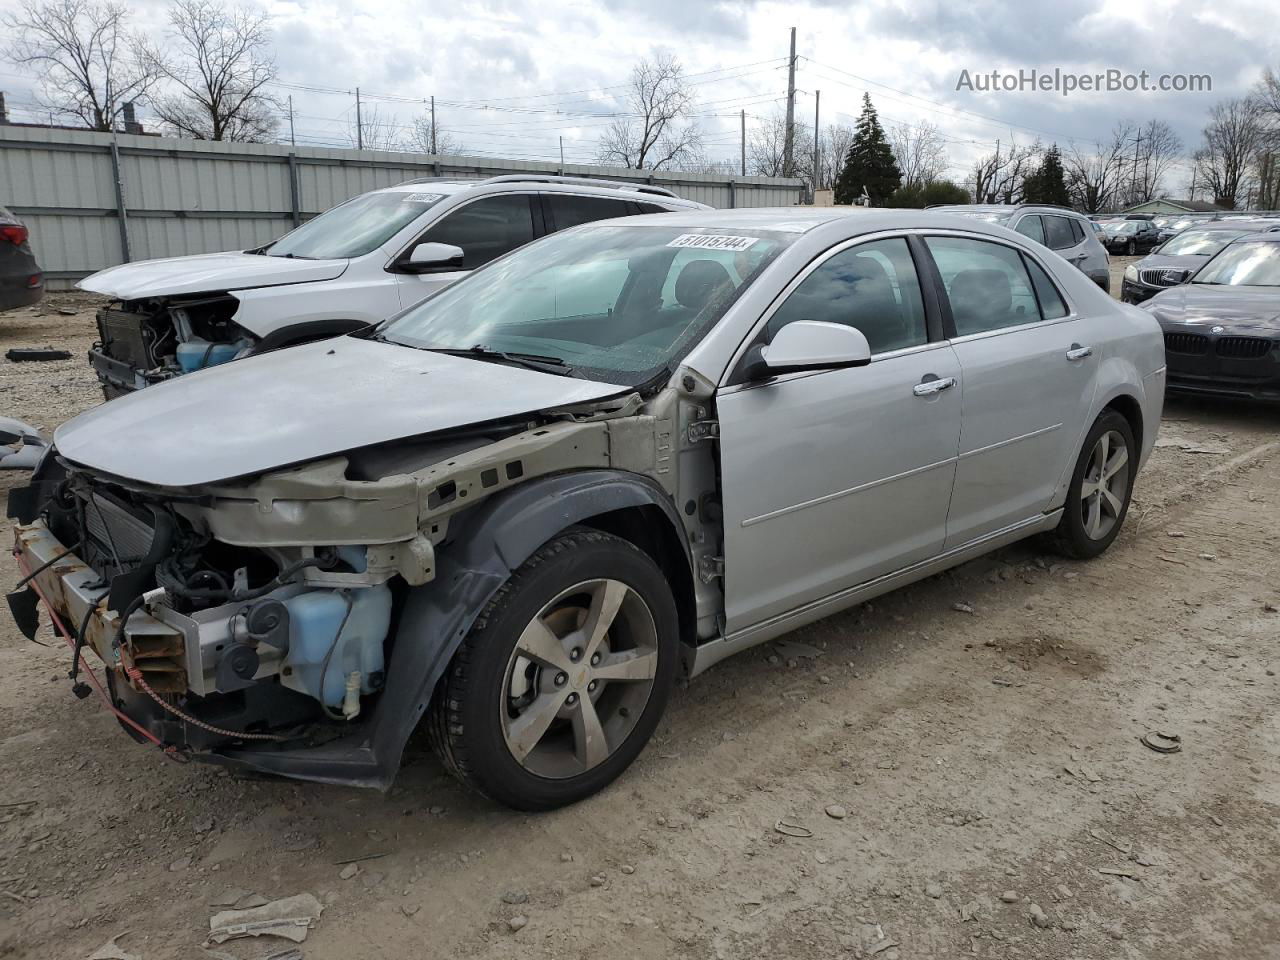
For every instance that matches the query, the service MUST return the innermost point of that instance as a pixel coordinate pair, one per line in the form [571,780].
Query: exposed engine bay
[141,342]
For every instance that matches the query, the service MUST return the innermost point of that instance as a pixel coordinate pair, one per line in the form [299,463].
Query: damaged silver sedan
[516,512]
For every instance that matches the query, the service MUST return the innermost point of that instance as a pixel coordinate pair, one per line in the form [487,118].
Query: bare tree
[660,131]
[1267,164]
[920,150]
[420,138]
[378,130]
[84,56]
[1150,150]
[219,62]
[999,177]
[833,147]
[1232,138]
[766,149]
[1093,177]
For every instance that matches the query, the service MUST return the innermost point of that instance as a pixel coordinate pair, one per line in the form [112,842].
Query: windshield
[612,303]
[1200,243]
[354,228]
[1254,264]
[1120,226]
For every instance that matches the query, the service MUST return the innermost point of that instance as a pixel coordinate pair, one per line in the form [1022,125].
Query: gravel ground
[997,801]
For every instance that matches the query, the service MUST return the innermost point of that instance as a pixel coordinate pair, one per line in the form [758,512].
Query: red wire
[106,699]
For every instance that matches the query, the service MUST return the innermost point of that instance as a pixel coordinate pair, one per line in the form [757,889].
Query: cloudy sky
[513,76]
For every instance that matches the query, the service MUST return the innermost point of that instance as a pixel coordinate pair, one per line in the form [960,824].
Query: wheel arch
[1127,405]
[308,330]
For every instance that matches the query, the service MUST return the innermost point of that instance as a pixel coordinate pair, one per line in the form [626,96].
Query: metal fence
[92,200]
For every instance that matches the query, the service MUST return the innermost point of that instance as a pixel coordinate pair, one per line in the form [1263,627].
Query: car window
[1057,231]
[1077,231]
[873,287]
[649,207]
[986,284]
[569,211]
[485,229]
[1031,227]
[1200,242]
[354,228]
[1052,306]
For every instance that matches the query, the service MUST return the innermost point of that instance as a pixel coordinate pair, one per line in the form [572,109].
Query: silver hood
[207,273]
[301,404]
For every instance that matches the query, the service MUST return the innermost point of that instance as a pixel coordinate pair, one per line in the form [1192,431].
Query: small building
[1165,205]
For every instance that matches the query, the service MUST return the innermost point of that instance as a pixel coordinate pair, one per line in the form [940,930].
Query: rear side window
[649,207]
[485,229]
[1058,235]
[987,284]
[567,211]
[1077,231]
[1031,227]
[872,287]
[1052,306]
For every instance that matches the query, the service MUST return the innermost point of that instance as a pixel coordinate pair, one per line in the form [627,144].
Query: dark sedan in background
[1222,327]
[1129,237]
[21,282]
[1173,262]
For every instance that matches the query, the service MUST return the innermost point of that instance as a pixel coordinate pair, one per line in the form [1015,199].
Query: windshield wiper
[530,361]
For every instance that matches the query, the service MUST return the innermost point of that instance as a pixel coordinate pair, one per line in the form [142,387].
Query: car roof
[1258,238]
[805,219]
[450,186]
[1006,207]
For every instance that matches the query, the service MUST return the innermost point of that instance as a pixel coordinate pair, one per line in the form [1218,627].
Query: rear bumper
[17,292]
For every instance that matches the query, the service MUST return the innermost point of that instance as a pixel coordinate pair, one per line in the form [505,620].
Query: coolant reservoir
[196,354]
[315,618]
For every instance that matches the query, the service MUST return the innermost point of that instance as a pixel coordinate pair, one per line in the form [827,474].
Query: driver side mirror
[432,258]
[808,345]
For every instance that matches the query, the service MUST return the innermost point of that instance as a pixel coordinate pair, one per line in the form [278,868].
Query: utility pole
[292,141]
[562,156]
[359,125]
[744,143]
[1133,184]
[790,138]
[817,99]
[433,125]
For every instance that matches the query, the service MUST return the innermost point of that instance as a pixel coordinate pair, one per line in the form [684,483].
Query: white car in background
[353,265]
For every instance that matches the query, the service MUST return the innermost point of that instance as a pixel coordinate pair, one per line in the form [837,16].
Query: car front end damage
[297,621]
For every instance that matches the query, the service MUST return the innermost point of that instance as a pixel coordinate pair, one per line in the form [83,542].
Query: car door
[485,229]
[1067,243]
[1028,376]
[833,478]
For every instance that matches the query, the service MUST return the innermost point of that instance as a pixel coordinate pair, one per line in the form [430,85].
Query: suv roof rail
[404,183]
[585,181]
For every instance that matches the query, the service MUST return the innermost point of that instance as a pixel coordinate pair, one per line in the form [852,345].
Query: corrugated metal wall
[194,196]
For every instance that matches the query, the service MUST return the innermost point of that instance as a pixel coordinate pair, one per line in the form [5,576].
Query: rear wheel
[563,678]
[1132,248]
[1101,488]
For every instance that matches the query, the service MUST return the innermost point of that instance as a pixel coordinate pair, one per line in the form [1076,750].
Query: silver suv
[1062,230]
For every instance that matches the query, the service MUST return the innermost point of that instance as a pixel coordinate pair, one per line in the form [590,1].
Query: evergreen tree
[1049,183]
[928,194]
[870,165]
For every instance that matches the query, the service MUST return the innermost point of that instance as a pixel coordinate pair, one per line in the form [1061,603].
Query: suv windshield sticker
[422,197]
[704,241]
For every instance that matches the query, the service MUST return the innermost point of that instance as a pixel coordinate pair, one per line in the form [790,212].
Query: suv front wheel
[563,677]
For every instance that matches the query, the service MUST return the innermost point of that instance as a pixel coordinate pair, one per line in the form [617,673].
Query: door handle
[927,387]
[1078,352]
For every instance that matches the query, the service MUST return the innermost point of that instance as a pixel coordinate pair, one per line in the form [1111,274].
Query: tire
[527,665]
[1131,249]
[1083,533]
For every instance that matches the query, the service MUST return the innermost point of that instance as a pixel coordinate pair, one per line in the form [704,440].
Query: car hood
[1240,309]
[300,404]
[207,273]
[1186,261]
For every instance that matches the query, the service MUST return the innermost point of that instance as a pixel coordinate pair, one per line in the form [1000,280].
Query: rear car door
[832,478]
[485,229]
[1029,373]
[565,210]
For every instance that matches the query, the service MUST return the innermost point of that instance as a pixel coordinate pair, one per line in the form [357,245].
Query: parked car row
[512,511]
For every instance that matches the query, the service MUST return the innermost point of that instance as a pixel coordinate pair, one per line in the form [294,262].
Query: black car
[1222,328]
[1174,261]
[21,282]
[1129,237]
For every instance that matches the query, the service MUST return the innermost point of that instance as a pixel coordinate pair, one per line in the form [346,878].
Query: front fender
[486,544]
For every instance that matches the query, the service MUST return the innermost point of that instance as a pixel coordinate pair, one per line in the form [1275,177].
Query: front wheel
[564,676]
[1100,490]
[1132,248]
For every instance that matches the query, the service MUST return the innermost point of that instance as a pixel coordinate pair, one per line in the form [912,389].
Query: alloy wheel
[1105,485]
[578,679]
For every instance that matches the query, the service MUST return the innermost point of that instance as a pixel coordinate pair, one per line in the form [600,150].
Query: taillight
[35,281]
[14,233]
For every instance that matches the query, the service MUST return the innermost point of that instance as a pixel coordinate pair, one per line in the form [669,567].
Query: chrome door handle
[927,388]
[1078,352]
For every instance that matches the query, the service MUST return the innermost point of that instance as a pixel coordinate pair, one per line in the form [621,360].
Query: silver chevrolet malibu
[515,512]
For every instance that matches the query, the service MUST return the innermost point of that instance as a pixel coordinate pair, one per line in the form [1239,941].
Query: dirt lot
[999,802]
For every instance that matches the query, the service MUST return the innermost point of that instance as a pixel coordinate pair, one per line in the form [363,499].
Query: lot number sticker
[706,241]
[422,197]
